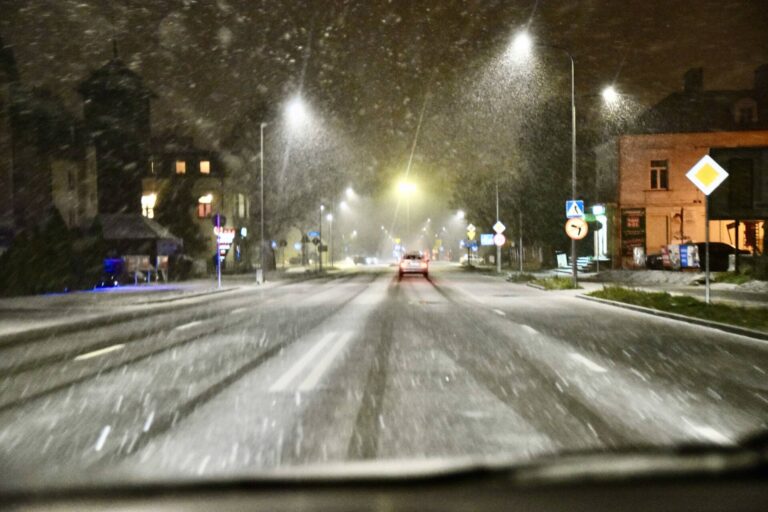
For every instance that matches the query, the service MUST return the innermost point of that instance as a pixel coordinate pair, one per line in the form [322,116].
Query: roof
[114,76]
[120,226]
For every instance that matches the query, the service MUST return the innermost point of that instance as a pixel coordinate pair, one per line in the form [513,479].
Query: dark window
[659,175]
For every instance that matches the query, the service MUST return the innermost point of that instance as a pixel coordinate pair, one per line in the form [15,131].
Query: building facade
[175,162]
[658,205]
[116,110]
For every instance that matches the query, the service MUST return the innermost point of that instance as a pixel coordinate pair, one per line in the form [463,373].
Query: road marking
[97,353]
[238,310]
[102,438]
[587,362]
[499,312]
[710,434]
[529,329]
[187,326]
[317,373]
[299,365]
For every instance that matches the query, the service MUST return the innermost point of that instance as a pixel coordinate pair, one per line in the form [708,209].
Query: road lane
[375,368]
[168,386]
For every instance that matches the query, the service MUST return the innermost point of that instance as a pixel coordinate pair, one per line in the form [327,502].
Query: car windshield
[211,212]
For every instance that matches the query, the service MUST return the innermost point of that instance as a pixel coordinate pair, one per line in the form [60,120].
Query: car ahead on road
[414,263]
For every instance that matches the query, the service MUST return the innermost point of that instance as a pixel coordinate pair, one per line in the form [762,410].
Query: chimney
[693,80]
[761,80]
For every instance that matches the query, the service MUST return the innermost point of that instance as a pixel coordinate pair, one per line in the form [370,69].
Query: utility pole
[574,264]
[320,245]
[261,192]
[520,235]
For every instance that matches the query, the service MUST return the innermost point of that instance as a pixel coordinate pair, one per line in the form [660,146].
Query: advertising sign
[632,230]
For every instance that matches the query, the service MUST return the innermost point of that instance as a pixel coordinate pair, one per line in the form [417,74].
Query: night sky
[368,65]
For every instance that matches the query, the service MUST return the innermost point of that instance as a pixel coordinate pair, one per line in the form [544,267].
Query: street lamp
[296,112]
[329,218]
[521,46]
[610,95]
[320,245]
[261,201]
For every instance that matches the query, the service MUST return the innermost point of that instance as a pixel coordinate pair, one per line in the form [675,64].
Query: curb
[537,286]
[732,329]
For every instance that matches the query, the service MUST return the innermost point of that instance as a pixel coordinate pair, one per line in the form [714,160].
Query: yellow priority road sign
[707,175]
[576,228]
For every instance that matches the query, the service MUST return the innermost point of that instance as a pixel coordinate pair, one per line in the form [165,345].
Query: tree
[175,210]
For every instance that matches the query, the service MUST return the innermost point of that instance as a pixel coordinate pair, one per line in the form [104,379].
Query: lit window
[204,206]
[205,167]
[148,205]
[659,175]
[181,167]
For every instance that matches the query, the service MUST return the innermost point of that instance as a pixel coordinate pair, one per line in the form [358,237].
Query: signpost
[707,175]
[470,238]
[498,239]
[574,209]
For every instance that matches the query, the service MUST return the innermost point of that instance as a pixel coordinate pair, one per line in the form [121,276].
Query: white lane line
[587,362]
[187,326]
[317,372]
[709,433]
[529,329]
[299,365]
[102,437]
[100,352]
[499,312]
[238,310]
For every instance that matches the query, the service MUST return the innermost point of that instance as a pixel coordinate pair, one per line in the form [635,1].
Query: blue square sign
[574,209]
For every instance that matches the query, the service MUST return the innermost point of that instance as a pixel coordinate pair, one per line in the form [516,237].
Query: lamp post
[329,218]
[320,245]
[261,202]
[522,45]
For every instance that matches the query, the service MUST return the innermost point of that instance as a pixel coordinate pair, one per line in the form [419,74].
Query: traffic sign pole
[706,249]
[707,175]
[218,251]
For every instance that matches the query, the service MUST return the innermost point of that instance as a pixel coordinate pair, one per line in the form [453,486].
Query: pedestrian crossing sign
[574,209]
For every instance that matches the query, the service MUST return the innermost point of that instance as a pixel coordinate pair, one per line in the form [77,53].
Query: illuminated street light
[343,205]
[296,112]
[610,95]
[329,217]
[407,188]
[521,46]
[350,192]
[460,214]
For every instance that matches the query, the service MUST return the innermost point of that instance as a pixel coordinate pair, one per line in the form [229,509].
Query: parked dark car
[718,253]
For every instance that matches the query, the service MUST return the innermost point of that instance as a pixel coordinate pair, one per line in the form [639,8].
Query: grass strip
[556,283]
[752,318]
